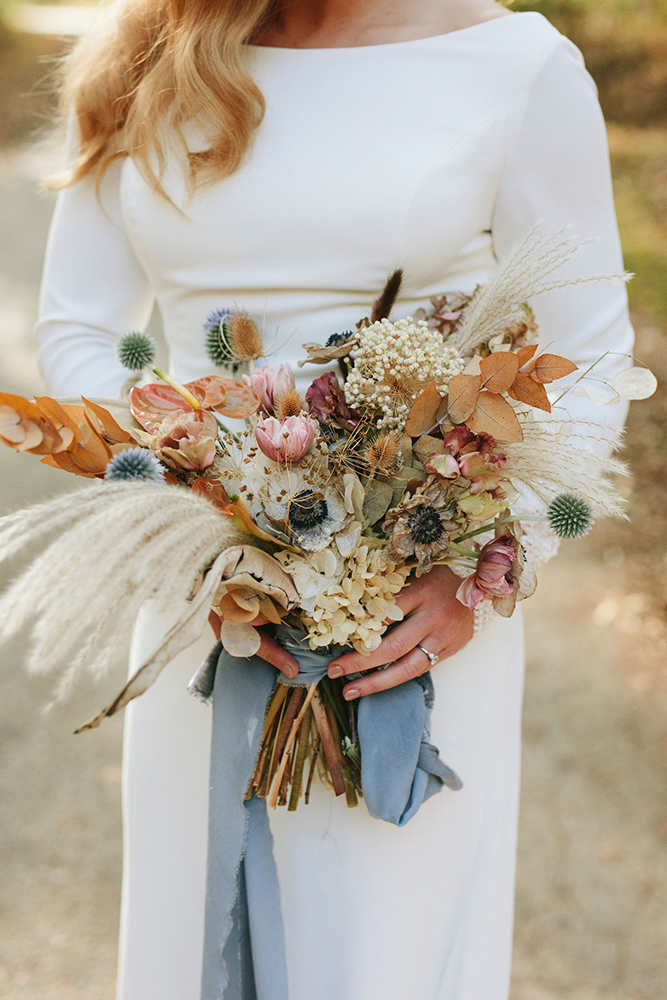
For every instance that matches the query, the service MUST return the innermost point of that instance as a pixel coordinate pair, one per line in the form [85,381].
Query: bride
[284,158]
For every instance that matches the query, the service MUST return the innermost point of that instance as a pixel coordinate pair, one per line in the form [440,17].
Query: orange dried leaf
[525,354]
[213,491]
[269,609]
[463,393]
[549,367]
[112,429]
[494,415]
[526,390]
[499,370]
[424,411]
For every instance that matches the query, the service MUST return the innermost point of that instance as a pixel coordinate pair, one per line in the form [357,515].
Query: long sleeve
[557,176]
[93,291]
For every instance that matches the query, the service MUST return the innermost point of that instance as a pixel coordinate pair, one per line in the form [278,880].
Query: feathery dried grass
[117,546]
[551,465]
[528,272]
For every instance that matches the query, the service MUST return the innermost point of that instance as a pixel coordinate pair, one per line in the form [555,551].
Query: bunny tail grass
[528,272]
[117,546]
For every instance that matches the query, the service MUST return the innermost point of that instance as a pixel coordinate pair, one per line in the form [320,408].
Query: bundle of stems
[309,729]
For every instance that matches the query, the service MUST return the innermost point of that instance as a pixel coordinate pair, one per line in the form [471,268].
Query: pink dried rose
[501,576]
[186,440]
[270,384]
[285,441]
[471,456]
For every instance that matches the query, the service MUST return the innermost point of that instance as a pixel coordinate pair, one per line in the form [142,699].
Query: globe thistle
[218,347]
[570,516]
[134,464]
[337,339]
[137,351]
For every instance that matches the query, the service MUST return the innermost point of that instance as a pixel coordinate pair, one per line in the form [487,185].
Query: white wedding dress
[437,155]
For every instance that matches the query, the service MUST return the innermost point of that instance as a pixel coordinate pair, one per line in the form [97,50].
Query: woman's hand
[433,619]
[269,649]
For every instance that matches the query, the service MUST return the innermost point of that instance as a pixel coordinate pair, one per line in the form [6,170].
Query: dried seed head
[382,454]
[289,404]
[245,338]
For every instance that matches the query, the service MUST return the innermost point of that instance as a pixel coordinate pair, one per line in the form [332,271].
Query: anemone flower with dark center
[419,530]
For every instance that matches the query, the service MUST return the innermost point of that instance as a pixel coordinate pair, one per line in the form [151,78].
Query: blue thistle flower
[137,351]
[134,464]
[338,339]
[570,516]
[218,347]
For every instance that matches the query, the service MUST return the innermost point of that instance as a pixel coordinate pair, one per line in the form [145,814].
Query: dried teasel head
[245,337]
[382,454]
[289,404]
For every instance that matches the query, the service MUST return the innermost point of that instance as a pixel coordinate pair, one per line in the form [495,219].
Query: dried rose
[270,384]
[326,401]
[286,441]
[501,575]
[186,440]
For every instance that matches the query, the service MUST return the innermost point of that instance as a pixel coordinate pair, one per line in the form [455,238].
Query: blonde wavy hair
[150,66]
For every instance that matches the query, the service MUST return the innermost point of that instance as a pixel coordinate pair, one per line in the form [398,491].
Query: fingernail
[291,672]
[335,670]
[350,693]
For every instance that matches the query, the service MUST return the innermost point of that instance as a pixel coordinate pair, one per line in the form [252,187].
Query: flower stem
[499,523]
[185,393]
[463,551]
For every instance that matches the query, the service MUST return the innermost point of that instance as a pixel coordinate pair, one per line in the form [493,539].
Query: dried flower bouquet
[314,514]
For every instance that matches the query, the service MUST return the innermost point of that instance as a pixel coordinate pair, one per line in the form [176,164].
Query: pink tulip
[186,440]
[495,575]
[288,441]
[270,384]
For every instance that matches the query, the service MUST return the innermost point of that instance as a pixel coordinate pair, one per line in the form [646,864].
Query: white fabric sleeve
[556,176]
[93,291]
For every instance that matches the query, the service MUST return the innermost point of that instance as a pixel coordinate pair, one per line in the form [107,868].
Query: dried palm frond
[117,546]
[528,272]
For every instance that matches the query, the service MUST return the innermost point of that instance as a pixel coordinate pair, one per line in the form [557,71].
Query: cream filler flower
[351,603]
[394,362]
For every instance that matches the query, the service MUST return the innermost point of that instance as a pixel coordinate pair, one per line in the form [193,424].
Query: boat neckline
[393,45]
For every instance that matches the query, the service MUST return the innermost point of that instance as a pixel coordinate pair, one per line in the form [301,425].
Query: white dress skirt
[437,155]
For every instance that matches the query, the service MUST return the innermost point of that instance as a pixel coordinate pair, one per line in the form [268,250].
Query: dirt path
[592,886]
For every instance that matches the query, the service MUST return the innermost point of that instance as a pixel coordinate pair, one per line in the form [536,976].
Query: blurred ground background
[592,885]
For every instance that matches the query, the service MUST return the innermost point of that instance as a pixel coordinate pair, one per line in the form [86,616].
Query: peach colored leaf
[55,412]
[21,404]
[463,393]
[549,367]
[526,390]
[424,411]
[150,404]
[499,370]
[213,491]
[112,429]
[525,354]
[230,398]
[494,415]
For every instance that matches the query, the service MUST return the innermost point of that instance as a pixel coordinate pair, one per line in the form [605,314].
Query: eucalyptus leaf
[377,501]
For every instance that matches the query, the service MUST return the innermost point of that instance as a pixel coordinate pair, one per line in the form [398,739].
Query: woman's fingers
[274,653]
[396,643]
[414,664]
